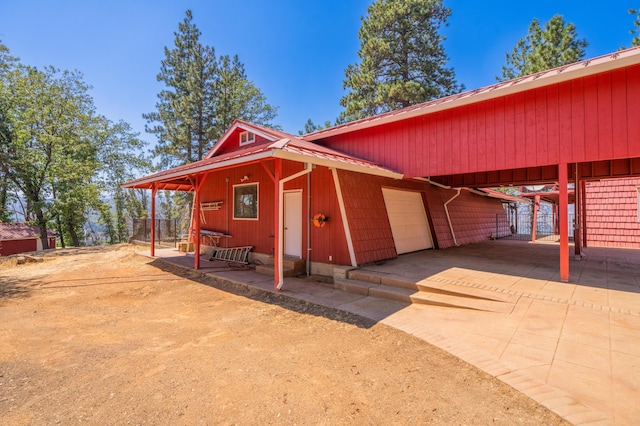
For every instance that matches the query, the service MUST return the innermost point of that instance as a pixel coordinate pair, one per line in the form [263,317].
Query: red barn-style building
[412,179]
[18,238]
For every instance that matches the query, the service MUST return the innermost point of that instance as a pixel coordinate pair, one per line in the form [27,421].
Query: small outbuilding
[21,238]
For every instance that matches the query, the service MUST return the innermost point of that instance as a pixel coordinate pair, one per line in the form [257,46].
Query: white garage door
[409,223]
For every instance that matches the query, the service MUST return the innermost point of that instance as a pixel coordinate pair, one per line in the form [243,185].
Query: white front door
[293,223]
[408,220]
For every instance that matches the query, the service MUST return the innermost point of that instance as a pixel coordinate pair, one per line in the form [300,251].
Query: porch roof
[287,148]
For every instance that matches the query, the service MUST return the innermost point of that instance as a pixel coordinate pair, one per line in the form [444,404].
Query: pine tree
[203,96]
[185,118]
[402,59]
[554,45]
[635,41]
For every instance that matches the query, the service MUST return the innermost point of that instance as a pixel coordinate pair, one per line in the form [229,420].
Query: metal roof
[20,231]
[584,68]
[288,148]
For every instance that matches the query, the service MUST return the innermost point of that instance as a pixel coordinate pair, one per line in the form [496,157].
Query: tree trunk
[42,224]
[60,231]
[72,232]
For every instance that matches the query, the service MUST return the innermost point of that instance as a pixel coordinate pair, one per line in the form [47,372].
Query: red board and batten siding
[328,241]
[585,119]
[612,213]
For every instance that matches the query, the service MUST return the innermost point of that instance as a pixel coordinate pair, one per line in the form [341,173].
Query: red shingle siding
[612,213]
[367,216]
[473,216]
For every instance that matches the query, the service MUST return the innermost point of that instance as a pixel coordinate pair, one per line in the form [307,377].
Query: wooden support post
[276,225]
[196,221]
[154,190]
[563,181]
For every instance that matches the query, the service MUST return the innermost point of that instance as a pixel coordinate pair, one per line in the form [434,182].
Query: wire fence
[166,230]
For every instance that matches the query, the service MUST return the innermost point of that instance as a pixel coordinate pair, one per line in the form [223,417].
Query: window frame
[251,137]
[257,202]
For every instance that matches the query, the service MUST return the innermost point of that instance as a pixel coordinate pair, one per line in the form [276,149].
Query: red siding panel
[619,114]
[9,247]
[633,111]
[325,242]
[604,116]
[579,120]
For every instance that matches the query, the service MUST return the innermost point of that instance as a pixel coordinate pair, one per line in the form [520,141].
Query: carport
[563,126]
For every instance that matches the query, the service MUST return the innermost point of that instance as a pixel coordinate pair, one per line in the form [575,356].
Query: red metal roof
[287,147]
[20,231]
[544,78]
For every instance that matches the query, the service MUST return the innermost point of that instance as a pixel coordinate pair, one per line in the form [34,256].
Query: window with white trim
[247,138]
[245,202]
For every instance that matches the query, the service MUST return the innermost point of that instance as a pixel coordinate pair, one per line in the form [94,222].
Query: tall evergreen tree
[402,59]
[202,96]
[184,118]
[554,45]
[238,97]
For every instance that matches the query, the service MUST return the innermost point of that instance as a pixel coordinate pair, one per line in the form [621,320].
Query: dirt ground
[106,336]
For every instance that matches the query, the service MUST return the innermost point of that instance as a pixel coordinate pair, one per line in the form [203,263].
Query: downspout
[280,242]
[446,210]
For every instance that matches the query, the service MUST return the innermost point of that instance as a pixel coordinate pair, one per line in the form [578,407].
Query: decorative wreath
[319,220]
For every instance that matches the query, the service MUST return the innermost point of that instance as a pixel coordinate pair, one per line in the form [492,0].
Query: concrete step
[423,296]
[430,286]
[268,270]
[289,262]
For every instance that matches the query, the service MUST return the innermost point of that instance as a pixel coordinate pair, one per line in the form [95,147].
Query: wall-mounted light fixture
[244,178]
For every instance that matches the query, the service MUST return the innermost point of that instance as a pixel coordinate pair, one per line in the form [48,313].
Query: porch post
[196,237]
[277,216]
[563,179]
[154,189]
[534,225]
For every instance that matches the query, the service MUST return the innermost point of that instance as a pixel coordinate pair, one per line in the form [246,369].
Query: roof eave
[301,158]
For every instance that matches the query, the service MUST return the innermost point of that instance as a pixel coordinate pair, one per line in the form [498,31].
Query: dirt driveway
[106,336]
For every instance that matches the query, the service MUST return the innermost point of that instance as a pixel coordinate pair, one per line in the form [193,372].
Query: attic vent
[247,138]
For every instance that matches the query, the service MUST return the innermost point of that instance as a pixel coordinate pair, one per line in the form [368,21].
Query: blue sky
[294,51]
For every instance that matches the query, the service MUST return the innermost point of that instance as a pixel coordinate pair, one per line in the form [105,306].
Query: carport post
[154,190]
[563,181]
